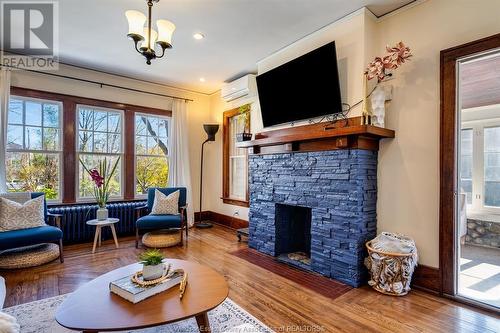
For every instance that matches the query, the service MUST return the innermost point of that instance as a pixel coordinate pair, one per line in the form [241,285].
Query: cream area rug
[38,317]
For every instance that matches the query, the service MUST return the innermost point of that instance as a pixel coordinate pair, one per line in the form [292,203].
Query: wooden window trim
[69,103]
[227,115]
[448,151]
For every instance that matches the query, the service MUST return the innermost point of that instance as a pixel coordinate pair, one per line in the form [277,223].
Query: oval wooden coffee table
[93,308]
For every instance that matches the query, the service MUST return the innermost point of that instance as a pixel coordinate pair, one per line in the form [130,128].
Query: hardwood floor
[280,303]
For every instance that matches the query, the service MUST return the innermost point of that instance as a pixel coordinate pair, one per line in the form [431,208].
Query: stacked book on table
[135,293]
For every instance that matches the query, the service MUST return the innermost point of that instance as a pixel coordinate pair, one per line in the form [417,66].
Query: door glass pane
[466,164]
[492,166]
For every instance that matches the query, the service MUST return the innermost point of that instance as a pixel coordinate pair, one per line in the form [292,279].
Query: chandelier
[146,36]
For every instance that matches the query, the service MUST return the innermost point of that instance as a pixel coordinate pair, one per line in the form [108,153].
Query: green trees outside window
[151,151]
[34,146]
[34,156]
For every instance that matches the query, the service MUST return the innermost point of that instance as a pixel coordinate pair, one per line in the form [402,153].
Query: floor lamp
[211,130]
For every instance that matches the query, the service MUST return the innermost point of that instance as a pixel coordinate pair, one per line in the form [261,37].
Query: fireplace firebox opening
[293,235]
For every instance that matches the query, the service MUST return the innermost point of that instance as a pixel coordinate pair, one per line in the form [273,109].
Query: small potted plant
[244,123]
[152,264]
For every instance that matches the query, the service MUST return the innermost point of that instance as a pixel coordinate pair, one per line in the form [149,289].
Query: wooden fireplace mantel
[318,137]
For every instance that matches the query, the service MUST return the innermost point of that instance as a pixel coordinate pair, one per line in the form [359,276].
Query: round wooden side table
[99,224]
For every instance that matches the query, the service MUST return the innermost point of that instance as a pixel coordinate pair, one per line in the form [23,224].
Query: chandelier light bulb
[154,36]
[165,31]
[136,21]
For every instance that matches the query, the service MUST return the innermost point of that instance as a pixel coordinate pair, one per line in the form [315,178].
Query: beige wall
[409,164]
[198,110]
[213,189]
[408,176]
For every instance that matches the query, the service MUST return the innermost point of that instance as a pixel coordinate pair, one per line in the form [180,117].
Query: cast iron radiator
[75,230]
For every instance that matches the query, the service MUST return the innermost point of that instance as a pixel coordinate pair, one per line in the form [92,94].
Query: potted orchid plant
[381,68]
[101,176]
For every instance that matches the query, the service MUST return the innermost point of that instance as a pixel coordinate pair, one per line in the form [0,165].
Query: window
[151,152]
[235,173]
[480,164]
[492,166]
[48,133]
[33,155]
[237,162]
[99,137]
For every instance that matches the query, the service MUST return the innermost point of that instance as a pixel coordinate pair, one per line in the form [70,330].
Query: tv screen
[303,88]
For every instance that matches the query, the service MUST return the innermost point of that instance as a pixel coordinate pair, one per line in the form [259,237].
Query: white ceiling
[238,33]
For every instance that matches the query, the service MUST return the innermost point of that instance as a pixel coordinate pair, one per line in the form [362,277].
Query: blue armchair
[156,222]
[38,235]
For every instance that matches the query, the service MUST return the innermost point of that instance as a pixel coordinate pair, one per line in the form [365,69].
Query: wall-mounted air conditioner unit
[244,86]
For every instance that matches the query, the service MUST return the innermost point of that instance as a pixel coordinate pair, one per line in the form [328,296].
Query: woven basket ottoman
[162,238]
[29,256]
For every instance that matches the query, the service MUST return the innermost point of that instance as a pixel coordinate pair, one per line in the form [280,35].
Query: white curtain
[180,172]
[4,107]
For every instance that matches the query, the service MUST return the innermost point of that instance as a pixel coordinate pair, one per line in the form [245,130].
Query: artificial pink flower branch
[396,57]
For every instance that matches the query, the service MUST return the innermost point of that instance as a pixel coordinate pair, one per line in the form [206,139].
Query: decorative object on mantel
[244,122]
[391,260]
[378,69]
[211,130]
[149,37]
[101,179]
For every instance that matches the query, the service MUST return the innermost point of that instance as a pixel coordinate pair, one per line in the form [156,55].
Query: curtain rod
[101,84]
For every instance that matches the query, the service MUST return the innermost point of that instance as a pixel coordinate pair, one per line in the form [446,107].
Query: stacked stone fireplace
[315,210]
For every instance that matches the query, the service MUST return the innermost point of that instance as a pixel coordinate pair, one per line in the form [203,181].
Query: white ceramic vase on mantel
[379,96]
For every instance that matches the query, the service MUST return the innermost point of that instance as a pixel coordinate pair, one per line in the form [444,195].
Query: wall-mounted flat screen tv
[304,88]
